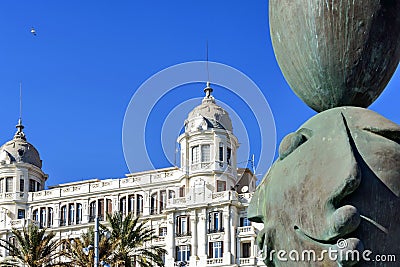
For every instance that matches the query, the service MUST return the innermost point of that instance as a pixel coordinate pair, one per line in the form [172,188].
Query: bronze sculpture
[336,184]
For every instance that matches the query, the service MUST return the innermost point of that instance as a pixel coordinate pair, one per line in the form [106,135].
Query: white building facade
[198,209]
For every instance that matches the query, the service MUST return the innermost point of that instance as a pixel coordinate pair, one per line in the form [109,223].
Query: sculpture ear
[393,135]
[293,141]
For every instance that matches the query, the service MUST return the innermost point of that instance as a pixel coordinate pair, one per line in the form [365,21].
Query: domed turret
[208,115]
[208,146]
[19,150]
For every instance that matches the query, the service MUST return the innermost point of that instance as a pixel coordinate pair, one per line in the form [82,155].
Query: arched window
[42,222]
[131,204]
[35,215]
[109,206]
[78,213]
[171,194]
[63,220]
[122,205]
[100,210]
[71,214]
[153,204]
[163,200]
[50,217]
[92,211]
[13,243]
[139,204]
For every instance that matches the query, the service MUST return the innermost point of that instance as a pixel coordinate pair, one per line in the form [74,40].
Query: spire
[20,133]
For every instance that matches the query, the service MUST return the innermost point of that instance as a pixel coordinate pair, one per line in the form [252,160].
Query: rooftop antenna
[20,101]
[208,73]
[208,90]
[20,134]
[252,164]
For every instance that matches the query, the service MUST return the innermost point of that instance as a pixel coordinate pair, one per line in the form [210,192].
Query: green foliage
[132,242]
[75,248]
[32,247]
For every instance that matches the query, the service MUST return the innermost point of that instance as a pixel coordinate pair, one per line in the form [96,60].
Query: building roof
[20,150]
[208,115]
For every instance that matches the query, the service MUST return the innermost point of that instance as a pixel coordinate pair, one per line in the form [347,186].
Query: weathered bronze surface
[338,176]
[336,53]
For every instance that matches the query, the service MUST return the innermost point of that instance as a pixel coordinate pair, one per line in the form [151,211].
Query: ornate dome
[19,150]
[208,115]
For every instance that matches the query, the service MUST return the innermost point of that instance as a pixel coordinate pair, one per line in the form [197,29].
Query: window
[35,215]
[1,185]
[131,203]
[182,253]
[228,156]
[139,204]
[195,155]
[153,204]
[100,209]
[122,205]
[221,186]
[9,184]
[215,222]
[109,206]
[21,214]
[92,211]
[13,242]
[244,221]
[221,152]
[21,184]
[182,191]
[163,200]
[78,213]
[63,220]
[163,231]
[71,214]
[205,153]
[171,194]
[32,185]
[246,251]
[182,226]
[50,217]
[42,217]
[215,250]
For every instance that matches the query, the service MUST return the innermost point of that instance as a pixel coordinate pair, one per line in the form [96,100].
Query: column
[227,236]
[193,228]
[170,240]
[202,237]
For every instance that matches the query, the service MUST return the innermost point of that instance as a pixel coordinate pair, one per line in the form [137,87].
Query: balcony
[214,261]
[214,231]
[246,230]
[181,264]
[247,261]
[183,234]
[19,223]
[159,239]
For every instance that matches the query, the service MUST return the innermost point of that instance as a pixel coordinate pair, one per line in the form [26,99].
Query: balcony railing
[214,261]
[213,231]
[247,261]
[246,230]
[183,234]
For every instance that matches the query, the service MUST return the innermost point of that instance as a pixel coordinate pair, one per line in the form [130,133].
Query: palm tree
[32,247]
[132,242]
[75,248]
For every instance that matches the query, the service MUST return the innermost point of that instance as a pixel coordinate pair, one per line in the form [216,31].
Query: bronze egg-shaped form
[338,52]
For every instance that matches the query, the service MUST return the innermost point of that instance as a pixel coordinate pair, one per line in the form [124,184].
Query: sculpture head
[337,177]
[336,53]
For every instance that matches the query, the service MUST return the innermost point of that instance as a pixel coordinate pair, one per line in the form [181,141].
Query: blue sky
[89,57]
